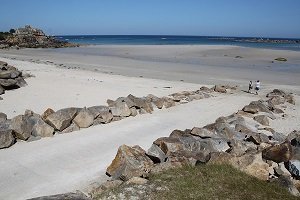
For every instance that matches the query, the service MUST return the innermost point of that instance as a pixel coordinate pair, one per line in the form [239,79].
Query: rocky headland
[29,37]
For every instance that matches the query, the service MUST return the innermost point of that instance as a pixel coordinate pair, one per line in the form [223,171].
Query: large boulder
[73,127]
[84,118]
[276,92]
[46,113]
[20,82]
[168,102]
[141,103]
[9,74]
[262,119]
[185,157]
[39,127]
[220,89]
[121,109]
[294,167]
[252,164]
[276,100]
[169,144]
[61,119]
[129,162]
[6,138]
[8,83]
[3,117]
[255,107]
[178,133]
[156,154]
[101,114]
[278,153]
[290,99]
[2,90]
[203,133]
[158,102]
[21,127]
[2,63]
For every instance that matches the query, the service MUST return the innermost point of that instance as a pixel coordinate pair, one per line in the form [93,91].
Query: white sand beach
[70,77]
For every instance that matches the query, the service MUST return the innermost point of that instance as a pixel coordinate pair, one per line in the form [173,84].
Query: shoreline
[201,64]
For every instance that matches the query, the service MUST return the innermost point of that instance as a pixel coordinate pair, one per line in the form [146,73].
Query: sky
[257,18]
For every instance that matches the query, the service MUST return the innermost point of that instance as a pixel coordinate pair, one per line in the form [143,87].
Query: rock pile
[29,37]
[243,140]
[10,78]
[31,126]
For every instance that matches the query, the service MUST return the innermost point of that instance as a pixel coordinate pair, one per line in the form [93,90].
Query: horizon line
[219,36]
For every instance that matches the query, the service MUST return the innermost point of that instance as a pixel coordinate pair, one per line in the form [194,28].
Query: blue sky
[269,18]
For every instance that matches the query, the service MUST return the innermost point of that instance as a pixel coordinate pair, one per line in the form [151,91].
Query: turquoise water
[290,44]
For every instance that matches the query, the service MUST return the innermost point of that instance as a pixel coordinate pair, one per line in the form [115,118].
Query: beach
[89,75]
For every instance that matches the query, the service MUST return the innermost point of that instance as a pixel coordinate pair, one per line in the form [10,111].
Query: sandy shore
[71,161]
[200,64]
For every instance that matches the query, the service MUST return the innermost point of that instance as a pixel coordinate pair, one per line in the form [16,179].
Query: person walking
[257,86]
[250,87]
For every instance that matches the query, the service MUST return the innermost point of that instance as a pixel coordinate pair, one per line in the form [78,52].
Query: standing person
[257,86]
[250,87]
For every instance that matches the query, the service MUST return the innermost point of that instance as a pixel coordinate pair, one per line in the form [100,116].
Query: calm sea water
[176,40]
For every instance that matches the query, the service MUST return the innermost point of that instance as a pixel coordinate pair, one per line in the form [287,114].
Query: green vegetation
[216,182]
[4,35]
[203,182]
[281,59]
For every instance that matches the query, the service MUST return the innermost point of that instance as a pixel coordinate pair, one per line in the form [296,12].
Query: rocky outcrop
[10,78]
[29,37]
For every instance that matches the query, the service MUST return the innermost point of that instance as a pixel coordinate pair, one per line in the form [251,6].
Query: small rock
[137,181]
[133,111]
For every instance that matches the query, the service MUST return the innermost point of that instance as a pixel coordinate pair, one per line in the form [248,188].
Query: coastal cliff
[29,37]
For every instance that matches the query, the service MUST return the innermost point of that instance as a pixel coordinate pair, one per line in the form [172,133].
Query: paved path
[71,161]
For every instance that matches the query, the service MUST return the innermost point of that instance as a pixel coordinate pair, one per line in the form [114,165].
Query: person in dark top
[250,87]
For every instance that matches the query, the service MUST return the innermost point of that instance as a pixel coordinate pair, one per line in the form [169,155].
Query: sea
[270,43]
